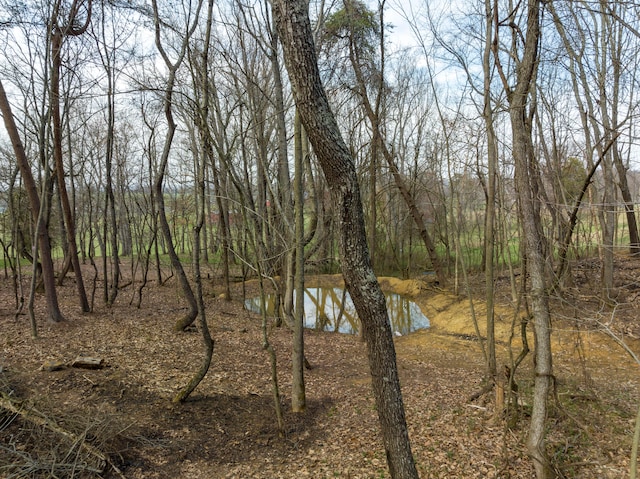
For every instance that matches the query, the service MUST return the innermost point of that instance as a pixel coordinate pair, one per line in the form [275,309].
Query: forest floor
[228,429]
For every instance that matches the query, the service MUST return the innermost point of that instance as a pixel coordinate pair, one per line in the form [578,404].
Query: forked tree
[519,87]
[168,100]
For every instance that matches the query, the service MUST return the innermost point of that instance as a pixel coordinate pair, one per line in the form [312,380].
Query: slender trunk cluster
[521,112]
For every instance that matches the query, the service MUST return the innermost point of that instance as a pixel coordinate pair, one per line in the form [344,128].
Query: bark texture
[295,32]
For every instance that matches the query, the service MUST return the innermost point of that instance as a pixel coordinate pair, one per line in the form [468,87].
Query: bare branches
[33,416]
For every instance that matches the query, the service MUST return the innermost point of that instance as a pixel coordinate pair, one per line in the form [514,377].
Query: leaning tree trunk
[48,275]
[373,114]
[294,28]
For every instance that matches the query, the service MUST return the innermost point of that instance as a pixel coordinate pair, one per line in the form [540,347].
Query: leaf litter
[227,429]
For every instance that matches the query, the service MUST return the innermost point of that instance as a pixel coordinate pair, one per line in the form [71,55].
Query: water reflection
[331,309]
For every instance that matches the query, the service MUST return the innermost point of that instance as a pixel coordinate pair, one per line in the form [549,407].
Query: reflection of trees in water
[318,302]
[342,303]
[331,309]
[394,306]
[405,315]
[322,321]
[345,310]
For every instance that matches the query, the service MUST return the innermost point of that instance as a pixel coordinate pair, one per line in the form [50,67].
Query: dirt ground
[228,429]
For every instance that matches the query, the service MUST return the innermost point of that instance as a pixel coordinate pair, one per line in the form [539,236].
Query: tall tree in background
[107,49]
[294,28]
[490,190]
[358,25]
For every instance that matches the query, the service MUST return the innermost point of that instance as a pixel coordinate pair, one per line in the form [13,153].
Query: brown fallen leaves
[228,430]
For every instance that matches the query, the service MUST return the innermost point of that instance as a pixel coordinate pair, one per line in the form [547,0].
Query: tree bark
[294,28]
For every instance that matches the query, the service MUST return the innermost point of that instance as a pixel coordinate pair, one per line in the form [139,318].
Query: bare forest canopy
[422,78]
[217,140]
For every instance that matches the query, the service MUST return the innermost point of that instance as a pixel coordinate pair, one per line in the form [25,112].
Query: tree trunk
[110,223]
[191,315]
[492,160]
[629,206]
[48,275]
[56,51]
[298,397]
[526,182]
[295,32]
[200,198]
[533,241]
[373,186]
[607,216]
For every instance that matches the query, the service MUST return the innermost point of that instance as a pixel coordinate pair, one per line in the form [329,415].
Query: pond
[331,309]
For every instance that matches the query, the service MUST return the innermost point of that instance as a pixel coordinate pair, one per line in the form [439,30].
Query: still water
[331,309]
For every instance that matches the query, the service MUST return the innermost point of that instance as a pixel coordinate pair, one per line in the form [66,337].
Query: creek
[331,309]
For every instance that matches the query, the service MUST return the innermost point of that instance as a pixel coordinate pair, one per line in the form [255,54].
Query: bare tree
[492,163]
[107,49]
[172,67]
[201,161]
[352,25]
[73,26]
[294,28]
[602,66]
[521,113]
